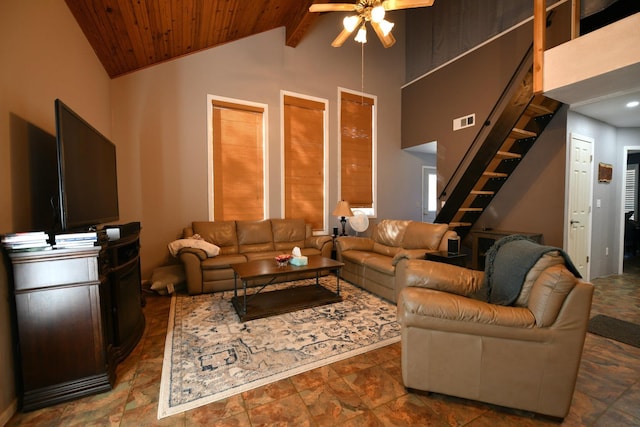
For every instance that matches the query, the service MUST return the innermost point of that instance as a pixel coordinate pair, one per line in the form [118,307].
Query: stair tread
[470,210]
[521,133]
[539,110]
[482,193]
[459,224]
[508,155]
[495,174]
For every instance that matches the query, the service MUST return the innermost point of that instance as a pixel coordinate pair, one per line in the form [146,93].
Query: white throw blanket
[194,242]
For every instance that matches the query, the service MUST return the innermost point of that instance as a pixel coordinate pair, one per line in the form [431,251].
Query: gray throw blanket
[507,264]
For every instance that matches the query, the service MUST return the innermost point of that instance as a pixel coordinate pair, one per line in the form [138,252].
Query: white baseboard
[6,415]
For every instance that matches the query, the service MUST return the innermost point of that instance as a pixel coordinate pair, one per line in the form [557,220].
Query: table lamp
[343,210]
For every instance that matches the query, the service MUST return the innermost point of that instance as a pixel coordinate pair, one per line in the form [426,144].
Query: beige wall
[160,124]
[44,56]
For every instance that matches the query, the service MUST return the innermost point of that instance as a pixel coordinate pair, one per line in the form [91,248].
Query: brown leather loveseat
[370,262]
[241,241]
[523,355]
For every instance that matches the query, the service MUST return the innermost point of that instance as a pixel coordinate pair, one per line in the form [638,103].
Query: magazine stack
[27,241]
[76,240]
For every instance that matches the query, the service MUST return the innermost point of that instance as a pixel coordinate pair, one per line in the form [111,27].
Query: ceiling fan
[371,11]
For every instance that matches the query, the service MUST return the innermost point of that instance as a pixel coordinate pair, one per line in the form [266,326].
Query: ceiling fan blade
[406,4]
[332,7]
[388,40]
[344,35]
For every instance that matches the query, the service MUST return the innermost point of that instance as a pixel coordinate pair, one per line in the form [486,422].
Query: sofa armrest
[408,254]
[317,242]
[197,252]
[191,259]
[439,276]
[423,307]
[323,243]
[351,243]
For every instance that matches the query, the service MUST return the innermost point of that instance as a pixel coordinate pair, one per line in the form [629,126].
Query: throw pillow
[166,280]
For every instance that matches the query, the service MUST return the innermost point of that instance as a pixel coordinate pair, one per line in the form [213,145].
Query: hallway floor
[365,390]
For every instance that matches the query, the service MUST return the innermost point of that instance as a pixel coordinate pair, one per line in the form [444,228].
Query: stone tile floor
[365,390]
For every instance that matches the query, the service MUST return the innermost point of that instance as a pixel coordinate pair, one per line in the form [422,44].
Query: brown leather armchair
[525,355]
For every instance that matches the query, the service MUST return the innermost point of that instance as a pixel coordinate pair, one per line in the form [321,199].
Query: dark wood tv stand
[78,314]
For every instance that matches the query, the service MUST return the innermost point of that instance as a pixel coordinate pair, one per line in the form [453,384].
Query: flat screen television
[87,177]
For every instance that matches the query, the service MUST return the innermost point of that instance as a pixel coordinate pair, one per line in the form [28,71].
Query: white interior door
[429,196]
[579,208]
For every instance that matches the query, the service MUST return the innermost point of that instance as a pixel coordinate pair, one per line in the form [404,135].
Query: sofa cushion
[423,235]
[381,264]
[254,236]
[390,232]
[549,292]
[222,261]
[356,257]
[219,233]
[385,250]
[288,233]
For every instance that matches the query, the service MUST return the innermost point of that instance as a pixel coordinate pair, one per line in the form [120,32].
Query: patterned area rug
[210,355]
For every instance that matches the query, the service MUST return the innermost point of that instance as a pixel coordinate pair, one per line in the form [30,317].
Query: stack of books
[76,240]
[26,241]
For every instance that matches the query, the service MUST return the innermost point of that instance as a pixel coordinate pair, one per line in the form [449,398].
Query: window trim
[325,150]
[265,152]
[373,211]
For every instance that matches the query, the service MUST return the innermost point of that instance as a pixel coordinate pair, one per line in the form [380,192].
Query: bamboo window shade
[238,166]
[356,121]
[304,160]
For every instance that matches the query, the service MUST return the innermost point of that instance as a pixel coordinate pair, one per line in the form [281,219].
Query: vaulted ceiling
[128,35]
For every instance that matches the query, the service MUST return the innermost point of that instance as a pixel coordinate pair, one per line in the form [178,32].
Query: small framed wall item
[605,172]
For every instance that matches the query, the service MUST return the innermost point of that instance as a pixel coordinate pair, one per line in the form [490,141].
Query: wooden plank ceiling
[128,35]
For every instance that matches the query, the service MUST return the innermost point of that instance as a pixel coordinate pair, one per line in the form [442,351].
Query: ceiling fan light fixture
[377,13]
[361,37]
[350,22]
[386,27]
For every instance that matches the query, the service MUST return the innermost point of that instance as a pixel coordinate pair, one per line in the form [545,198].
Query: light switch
[597,203]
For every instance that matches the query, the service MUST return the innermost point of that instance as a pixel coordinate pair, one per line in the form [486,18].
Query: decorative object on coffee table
[283,260]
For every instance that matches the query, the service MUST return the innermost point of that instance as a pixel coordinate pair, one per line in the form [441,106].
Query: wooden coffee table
[264,304]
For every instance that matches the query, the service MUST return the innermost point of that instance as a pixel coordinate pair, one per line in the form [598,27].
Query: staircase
[513,126]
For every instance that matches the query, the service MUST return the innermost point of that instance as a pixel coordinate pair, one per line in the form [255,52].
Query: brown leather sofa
[370,262]
[525,355]
[241,241]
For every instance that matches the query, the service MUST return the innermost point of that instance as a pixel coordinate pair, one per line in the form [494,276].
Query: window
[631,191]
[357,150]
[429,193]
[304,141]
[237,161]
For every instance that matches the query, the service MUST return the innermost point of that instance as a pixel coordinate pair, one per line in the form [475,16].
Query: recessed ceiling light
[632,104]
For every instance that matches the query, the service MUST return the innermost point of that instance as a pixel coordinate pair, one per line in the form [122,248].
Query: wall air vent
[464,122]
